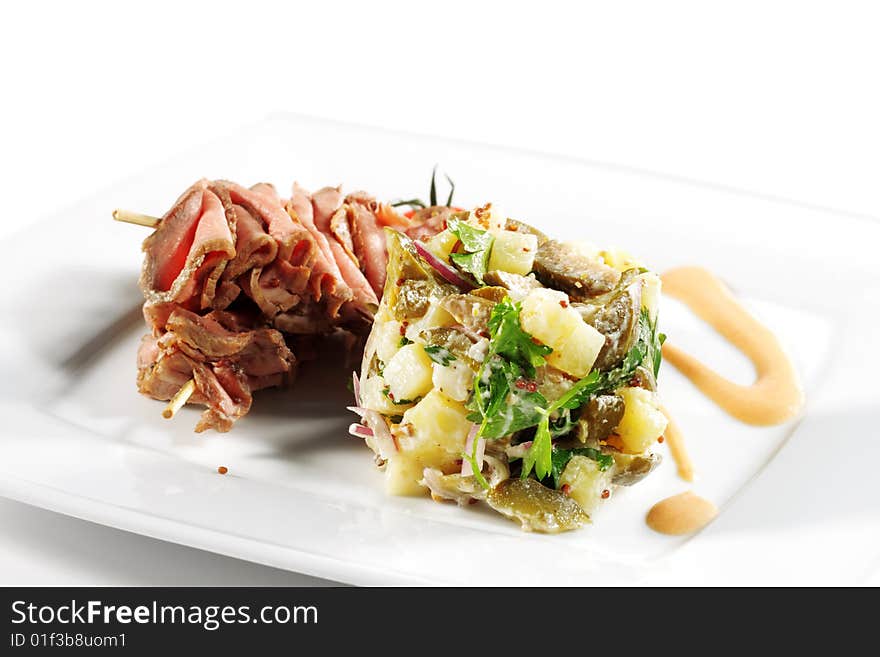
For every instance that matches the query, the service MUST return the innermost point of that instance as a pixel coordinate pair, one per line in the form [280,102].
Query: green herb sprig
[476,244]
[418,203]
[505,401]
[646,351]
[511,360]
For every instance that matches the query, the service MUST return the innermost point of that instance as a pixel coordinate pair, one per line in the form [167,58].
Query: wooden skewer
[136,218]
[179,399]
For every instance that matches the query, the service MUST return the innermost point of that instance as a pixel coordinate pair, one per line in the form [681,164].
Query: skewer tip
[135,218]
[179,399]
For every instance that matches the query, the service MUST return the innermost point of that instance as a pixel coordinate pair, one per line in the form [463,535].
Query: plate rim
[265,552]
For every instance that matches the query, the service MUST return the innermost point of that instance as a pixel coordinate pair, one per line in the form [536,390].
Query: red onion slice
[466,469]
[382,434]
[360,431]
[446,271]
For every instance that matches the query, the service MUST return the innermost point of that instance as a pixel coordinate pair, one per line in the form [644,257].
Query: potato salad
[511,369]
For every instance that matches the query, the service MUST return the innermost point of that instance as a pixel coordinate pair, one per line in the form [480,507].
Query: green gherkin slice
[536,507]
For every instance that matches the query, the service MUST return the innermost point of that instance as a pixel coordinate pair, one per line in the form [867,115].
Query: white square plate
[799,503]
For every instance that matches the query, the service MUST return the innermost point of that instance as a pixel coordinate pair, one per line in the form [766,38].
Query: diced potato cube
[619,259]
[441,244]
[547,315]
[513,252]
[373,398]
[439,432]
[408,373]
[586,482]
[579,351]
[544,316]
[651,294]
[402,475]
[643,422]
[387,339]
[439,421]
[454,380]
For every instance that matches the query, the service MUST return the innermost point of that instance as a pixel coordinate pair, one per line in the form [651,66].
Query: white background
[776,98]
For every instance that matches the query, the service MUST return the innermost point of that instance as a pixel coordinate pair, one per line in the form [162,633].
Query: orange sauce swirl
[675,439]
[775,396]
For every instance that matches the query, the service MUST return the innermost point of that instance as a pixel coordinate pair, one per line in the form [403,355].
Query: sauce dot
[222,469]
[681,514]
[606,494]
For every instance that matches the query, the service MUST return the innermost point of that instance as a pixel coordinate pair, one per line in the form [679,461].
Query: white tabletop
[775,99]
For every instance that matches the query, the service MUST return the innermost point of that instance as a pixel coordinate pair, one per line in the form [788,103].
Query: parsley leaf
[564,424]
[477,245]
[504,401]
[514,410]
[540,454]
[440,355]
[476,263]
[580,393]
[472,238]
[404,341]
[510,341]
[653,342]
[492,387]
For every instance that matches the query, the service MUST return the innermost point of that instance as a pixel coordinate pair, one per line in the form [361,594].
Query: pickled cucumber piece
[536,507]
